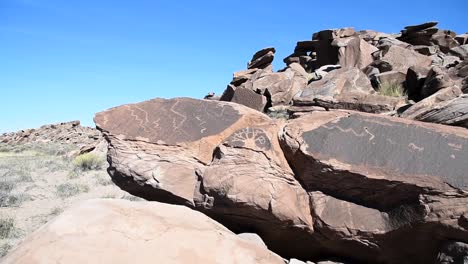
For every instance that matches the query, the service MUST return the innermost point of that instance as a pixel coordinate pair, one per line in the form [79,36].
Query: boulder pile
[317,162]
[353,70]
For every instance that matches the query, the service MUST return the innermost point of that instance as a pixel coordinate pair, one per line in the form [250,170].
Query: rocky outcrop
[220,158]
[349,185]
[84,138]
[344,68]
[120,231]
[452,112]
[378,182]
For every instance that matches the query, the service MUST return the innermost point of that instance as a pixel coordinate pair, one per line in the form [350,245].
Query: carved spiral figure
[249,137]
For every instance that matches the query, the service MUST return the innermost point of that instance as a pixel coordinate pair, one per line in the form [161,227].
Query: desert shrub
[393,89]
[65,190]
[4,248]
[103,180]
[13,200]
[56,211]
[132,198]
[7,228]
[6,186]
[88,161]
[283,114]
[7,199]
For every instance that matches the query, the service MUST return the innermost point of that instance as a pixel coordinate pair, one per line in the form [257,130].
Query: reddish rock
[220,158]
[401,59]
[262,58]
[351,155]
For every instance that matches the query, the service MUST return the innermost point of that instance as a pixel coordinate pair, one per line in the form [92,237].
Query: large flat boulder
[120,231]
[341,81]
[220,158]
[452,112]
[377,161]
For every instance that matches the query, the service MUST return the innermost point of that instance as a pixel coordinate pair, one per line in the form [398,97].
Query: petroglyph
[249,137]
[396,147]
[170,121]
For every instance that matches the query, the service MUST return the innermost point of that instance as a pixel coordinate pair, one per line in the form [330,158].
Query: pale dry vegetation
[393,89]
[38,181]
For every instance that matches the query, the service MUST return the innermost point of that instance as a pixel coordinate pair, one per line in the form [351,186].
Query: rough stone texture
[452,112]
[330,34]
[419,27]
[436,79]
[453,252]
[396,156]
[353,52]
[279,87]
[262,58]
[445,39]
[462,39]
[220,158]
[401,59]
[415,78]
[427,104]
[249,98]
[460,51]
[340,81]
[369,103]
[377,186]
[119,231]
[390,77]
[426,50]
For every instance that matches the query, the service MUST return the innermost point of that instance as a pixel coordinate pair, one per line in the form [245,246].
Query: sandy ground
[38,182]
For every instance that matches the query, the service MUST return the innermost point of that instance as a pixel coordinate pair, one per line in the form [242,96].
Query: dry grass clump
[393,89]
[88,161]
[66,190]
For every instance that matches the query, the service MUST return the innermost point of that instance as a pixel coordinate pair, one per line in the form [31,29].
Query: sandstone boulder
[249,98]
[120,231]
[396,157]
[452,112]
[262,58]
[369,103]
[415,78]
[436,79]
[339,81]
[220,158]
[401,59]
[427,104]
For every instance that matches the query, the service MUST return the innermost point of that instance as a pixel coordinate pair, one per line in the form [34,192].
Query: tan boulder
[120,231]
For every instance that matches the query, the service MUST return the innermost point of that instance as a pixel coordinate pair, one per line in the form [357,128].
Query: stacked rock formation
[352,176]
[344,69]
[332,184]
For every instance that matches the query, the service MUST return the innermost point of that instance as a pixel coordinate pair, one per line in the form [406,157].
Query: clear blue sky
[66,60]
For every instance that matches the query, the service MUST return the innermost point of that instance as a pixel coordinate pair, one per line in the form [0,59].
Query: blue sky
[66,60]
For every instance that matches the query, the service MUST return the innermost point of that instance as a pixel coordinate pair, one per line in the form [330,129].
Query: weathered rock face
[396,157]
[340,81]
[260,89]
[119,231]
[452,112]
[220,158]
[262,58]
[401,59]
[379,181]
[369,103]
